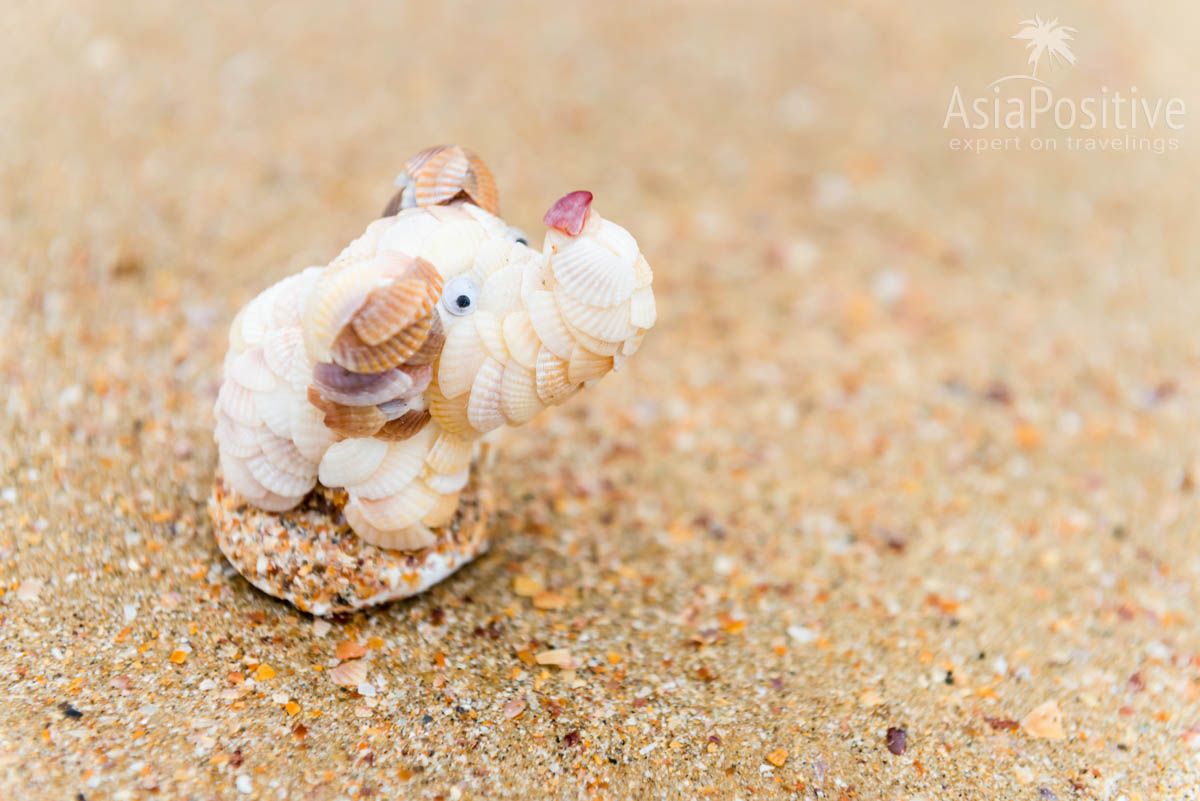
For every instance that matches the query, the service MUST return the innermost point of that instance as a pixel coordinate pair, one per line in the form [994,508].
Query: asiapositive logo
[1021,111]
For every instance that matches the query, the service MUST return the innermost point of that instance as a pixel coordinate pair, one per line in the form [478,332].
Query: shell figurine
[357,396]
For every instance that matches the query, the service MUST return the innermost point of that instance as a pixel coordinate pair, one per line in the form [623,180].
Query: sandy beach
[898,500]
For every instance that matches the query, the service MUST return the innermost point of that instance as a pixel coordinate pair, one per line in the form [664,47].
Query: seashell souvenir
[357,397]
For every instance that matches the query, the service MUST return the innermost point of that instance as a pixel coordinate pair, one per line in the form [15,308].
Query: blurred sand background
[913,446]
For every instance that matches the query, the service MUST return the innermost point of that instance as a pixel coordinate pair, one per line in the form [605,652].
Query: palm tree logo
[1046,38]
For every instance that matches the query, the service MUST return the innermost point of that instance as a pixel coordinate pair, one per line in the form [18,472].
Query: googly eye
[459,295]
[515,234]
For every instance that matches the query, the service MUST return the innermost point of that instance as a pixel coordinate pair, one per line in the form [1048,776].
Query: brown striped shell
[440,175]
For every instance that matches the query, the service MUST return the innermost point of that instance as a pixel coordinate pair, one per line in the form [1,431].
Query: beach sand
[897,501]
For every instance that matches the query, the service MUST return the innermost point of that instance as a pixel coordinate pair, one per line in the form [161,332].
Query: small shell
[349,421]
[450,414]
[390,309]
[251,371]
[238,402]
[433,344]
[461,356]
[642,311]
[401,465]
[453,245]
[610,325]
[276,480]
[275,410]
[644,276]
[520,339]
[339,385]
[483,409]
[501,291]
[518,394]
[404,426]
[349,674]
[283,350]
[592,274]
[351,352]
[602,347]
[399,510]
[333,301]
[289,302]
[447,484]
[236,439]
[408,233]
[440,174]
[256,318]
[443,511]
[586,366]
[449,453]
[283,455]
[548,323]
[631,345]
[491,334]
[490,258]
[553,386]
[240,477]
[309,432]
[352,461]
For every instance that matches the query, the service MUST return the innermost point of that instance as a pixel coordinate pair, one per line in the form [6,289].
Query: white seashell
[276,480]
[256,318]
[449,414]
[602,347]
[234,438]
[351,461]
[251,371]
[333,301]
[491,257]
[368,241]
[409,232]
[553,386]
[399,510]
[275,410]
[240,478]
[309,432]
[449,453]
[491,334]
[283,455]
[339,385]
[518,394]
[461,356]
[401,465]
[520,339]
[451,247]
[501,292]
[642,310]
[283,350]
[587,366]
[483,409]
[592,274]
[610,325]
[447,484]
[238,402]
[289,303]
[272,502]
[631,345]
[349,674]
[443,511]
[548,323]
[643,275]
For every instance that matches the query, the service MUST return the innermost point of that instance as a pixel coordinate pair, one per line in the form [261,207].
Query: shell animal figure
[380,373]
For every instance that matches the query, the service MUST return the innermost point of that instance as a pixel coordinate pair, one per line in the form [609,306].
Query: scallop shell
[642,310]
[235,439]
[275,410]
[433,344]
[449,453]
[390,309]
[491,334]
[631,345]
[275,480]
[283,350]
[491,257]
[404,426]
[333,301]
[309,431]
[284,455]
[643,275]
[240,477]
[501,291]
[552,383]
[337,384]
[351,352]
[443,511]
[251,371]
[452,246]
[461,356]
[520,339]
[603,347]
[447,483]
[401,465]
[518,394]
[349,421]
[548,323]
[440,174]
[401,509]
[238,402]
[352,461]
[409,232]
[586,366]
[349,674]
[450,414]
[611,324]
[483,409]
[593,274]
[256,318]
[289,303]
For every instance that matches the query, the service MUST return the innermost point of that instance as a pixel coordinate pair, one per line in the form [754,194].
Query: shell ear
[441,174]
[570,212]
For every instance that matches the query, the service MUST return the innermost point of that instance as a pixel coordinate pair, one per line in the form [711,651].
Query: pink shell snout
[570,212]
